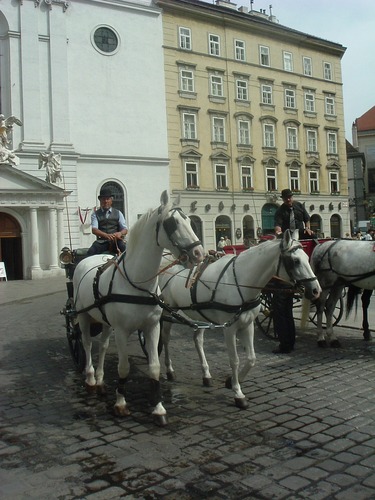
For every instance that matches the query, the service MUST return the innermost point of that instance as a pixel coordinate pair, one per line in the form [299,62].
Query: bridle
[170,226]
[286,258]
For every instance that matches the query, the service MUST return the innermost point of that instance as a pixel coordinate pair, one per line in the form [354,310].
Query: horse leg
[152,335]
[233,382]
[333,297]
[103,347]
[246,337]
[84,324]
[165,333]
[199,342]
[121,409]
[365,298]
[320,307]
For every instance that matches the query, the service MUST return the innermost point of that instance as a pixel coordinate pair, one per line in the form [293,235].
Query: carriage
[264,321]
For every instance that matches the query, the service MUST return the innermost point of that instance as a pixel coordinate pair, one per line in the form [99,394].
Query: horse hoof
[90,388]
[322,343]
[121,411]
[228,383]
[101,390]
[207,382]
[161,420]
[171,377]
[367,335]
[335,344]
[241,403]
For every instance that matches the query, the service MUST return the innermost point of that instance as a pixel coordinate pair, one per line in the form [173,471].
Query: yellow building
[253,107]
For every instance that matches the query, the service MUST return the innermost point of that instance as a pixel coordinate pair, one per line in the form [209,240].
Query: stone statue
[6,126]
[52,162]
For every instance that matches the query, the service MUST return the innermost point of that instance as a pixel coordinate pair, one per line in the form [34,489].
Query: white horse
[339,263]
[227,293]
[122,295]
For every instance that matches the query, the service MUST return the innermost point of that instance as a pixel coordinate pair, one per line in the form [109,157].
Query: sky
[350,23]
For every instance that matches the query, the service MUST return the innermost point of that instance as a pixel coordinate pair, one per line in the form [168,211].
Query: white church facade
[86,79]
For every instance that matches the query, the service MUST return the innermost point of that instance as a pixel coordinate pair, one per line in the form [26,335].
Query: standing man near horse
[109,226]
[290,215]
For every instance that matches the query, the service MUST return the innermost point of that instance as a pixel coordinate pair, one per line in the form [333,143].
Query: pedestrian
[227,241]
[109,226]
[290,215]
[367,236]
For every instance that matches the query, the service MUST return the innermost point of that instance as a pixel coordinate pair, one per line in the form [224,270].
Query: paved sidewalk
[12,291]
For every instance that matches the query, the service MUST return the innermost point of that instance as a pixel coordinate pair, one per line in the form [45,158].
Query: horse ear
[287,240]
[296,234]
[177,201]
[164,199]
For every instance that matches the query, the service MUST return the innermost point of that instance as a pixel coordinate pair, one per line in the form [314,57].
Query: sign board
[3,273]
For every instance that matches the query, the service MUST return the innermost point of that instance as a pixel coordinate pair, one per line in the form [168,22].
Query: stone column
[34,242]
[53,240]
[60,229]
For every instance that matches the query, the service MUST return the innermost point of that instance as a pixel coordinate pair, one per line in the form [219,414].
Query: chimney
[226,3]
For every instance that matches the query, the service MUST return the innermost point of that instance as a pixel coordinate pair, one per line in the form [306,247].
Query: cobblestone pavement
[308,432]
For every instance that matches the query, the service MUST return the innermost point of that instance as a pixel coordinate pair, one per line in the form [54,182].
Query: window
[294,180]
[314,181]
[218,129]
[330,105]
[214,45]
[269,135]
[244,132]
[216,84]
[290,98]
[187,80]
[307,66]
[334,182]
[221,176]
[309,102]
[246,178]
[264,55]
[105,40]
[241,90]
[184,35]
[266,94]
[118,195]
[327,71]
[288,61]
[271,179]
[191,174]
[332,143]
[189,126]
[239,50]
[291,136]
[312,142]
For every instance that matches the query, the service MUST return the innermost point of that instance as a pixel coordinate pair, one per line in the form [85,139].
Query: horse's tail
[305,312]
[351,299]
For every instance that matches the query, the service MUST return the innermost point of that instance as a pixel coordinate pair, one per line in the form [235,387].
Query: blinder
[286,257]
[170,227]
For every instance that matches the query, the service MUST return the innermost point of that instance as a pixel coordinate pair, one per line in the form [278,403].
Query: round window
[106,40]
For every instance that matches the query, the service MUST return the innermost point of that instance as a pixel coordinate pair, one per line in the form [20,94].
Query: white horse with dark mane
[227,292]
[122,295]
[337,264]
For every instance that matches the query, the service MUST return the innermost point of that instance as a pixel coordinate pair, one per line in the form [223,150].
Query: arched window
[316,225]
[335,224]
[118,195]
[268,218]
[223,227]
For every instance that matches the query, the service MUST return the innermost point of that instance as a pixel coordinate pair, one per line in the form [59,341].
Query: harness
[346,278]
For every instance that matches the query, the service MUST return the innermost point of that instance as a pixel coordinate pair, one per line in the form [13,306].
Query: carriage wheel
[264,320]
[337,313]
[74,337]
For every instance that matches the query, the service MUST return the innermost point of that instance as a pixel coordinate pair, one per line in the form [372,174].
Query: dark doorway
[11,246]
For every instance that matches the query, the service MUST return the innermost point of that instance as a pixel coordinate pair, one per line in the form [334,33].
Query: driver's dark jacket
[282,216]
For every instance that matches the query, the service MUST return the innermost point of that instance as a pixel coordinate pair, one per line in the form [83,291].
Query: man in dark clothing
[290,215]
[109,226]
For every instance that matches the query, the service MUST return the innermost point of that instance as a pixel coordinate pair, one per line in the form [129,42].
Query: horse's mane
[137,230]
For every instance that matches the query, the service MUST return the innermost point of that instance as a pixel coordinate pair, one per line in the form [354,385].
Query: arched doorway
[118,195]
[316,225]
[248,230]
[223,227]
[11,246]
[196,224]
[268,218]
[335,224]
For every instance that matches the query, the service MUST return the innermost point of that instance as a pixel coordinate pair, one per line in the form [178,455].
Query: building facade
[86,79]
[253,107]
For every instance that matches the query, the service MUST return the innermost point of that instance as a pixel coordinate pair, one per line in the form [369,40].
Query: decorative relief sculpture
[6,126]
[52,163]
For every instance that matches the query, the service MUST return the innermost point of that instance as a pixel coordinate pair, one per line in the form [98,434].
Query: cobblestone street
[309,430]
